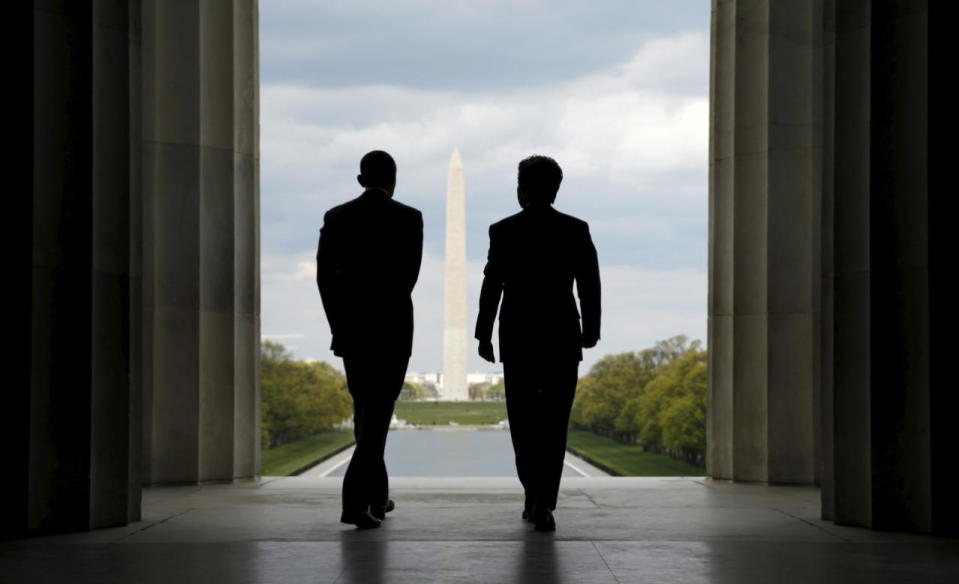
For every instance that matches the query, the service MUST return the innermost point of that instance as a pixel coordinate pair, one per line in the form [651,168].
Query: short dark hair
[378,169]
[539,176]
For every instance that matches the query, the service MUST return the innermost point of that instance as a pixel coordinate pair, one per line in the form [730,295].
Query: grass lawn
[429,413]
[289,458]
[628,461]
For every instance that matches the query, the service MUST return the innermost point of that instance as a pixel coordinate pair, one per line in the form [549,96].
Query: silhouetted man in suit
[367,263]
[534,258]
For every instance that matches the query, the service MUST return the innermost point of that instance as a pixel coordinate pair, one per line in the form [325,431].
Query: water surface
[450,453]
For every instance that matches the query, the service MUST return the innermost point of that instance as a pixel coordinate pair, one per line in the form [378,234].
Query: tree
[415,391]
[656,397]
[610,389]
[298,398]
[496,391]
[672,412]
[272,352]
[488,391]
[667,350]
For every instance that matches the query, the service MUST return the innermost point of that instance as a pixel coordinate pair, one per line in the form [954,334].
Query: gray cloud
[627,151]
[463,44]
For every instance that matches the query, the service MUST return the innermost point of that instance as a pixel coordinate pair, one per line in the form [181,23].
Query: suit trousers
[374,383]
[539,397]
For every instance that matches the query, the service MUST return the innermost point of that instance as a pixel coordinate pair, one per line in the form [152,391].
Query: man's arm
[416,253]
[327,277]
[490,295]
[588,289]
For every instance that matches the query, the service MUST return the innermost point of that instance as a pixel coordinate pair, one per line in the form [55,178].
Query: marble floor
[285,529]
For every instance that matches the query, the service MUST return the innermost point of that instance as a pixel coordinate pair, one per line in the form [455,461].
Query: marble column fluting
[137,353]
[828,363]
[60,331]
[201,199]
[851,470]
[171,208]
[944,316]
[899,269]
[216,220]
[115,405]
[749,242]
[827,260]
[719,458]
[135,257]
[18,242]
[763,242]
[246,244]
[76,441]
[891,447]
[793,185]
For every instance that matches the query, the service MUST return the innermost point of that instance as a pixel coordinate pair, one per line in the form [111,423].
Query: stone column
[18,243]
[764,241]
[133,257]
[201,236]
[893,447]
[73,415]
[832,265]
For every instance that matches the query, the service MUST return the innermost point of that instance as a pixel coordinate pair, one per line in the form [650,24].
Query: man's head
[538,180]
[377,170]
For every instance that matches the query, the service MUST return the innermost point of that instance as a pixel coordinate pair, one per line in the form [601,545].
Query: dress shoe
[381,511]
[543,519]
[362,519]
[528,504]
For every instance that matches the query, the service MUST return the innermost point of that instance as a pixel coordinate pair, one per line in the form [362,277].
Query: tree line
[655,398]
[298,398]
[412,391]
[488,391]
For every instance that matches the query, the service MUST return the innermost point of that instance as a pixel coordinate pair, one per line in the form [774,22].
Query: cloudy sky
[615,91]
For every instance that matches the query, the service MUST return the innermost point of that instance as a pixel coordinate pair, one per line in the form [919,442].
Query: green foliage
[416,391]
[672,409]
[624,460]
[655,398]
[293,457]
[432,413]
[488,391]
[604,397]
[298,398]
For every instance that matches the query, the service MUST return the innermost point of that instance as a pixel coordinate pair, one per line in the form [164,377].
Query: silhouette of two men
[368,261]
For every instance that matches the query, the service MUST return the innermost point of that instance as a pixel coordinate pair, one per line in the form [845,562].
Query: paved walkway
[285,529]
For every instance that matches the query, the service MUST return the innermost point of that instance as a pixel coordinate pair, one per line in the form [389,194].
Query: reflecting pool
[450,453]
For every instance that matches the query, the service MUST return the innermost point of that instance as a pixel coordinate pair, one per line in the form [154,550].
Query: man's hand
[486,351]
[589,341]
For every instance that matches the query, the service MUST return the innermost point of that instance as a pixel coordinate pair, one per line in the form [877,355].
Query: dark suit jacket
[367,263]
[534,258]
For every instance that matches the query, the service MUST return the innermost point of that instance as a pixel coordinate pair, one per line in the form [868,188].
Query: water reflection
[450,453]
[536,562]
[363,562]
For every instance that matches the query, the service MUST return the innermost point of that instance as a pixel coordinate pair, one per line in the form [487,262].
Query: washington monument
[454,305]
